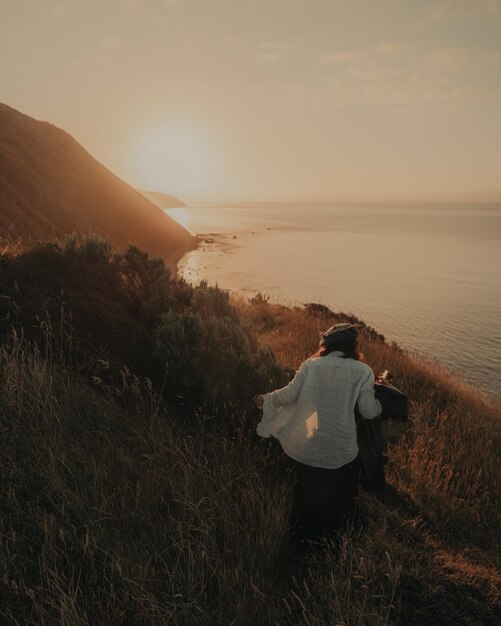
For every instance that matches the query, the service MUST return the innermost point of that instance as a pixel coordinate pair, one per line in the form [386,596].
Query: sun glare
[174,158]
[181,215]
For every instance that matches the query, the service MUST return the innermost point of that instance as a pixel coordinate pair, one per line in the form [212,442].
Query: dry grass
[129,516]
[443,465]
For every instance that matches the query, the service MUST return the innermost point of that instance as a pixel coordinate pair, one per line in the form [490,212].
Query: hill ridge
[51,186]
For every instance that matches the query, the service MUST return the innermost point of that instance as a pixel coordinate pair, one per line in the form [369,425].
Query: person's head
[340,338]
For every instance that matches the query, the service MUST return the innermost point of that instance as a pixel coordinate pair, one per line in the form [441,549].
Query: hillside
[50,187]
[135,490]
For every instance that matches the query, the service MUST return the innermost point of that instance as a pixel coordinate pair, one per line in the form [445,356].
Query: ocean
[426,276]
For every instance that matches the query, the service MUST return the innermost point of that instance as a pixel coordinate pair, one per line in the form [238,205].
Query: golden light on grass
[137,507]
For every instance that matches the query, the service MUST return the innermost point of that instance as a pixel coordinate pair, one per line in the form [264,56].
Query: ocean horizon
[425,275]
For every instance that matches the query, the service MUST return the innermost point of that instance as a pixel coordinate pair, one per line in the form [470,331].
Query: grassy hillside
[134,490]
[50,187]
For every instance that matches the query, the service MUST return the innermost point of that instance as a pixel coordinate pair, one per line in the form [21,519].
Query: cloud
[267,57]
[109,42]
[436,11]
[278,46]
[405,73]
[343,56]
[361,55]
[150,6]
[274,51]
[137,5]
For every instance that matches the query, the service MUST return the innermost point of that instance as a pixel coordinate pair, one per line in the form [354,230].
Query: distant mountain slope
[163,200]
[50,186]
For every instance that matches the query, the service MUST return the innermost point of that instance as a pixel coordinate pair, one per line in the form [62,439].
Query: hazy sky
[267,99]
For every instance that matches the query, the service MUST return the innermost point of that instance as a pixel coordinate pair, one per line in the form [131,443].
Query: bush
[107,302]
[116,511]
[149,284]
[89,249]
[212,302]
[76,288]
[178,345]
[109,310]
[214,361]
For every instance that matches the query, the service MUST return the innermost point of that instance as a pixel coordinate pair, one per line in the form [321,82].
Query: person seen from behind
[313,418]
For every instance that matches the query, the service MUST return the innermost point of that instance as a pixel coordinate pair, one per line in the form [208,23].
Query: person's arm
[368,406]
[290,393]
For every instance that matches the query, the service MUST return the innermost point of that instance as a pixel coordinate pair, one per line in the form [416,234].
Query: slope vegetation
[134,490]
[50,187]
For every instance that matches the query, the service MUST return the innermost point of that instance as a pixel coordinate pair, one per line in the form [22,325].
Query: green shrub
[90,248]
[212,302]
[108,302]
[178,345]
[116,511]
[214,361]
[149,284]
[105,307]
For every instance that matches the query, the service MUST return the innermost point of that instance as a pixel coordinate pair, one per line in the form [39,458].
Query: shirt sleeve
[368,406]
[290,393]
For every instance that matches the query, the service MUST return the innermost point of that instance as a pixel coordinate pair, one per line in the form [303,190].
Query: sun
[181,215]
[173,158]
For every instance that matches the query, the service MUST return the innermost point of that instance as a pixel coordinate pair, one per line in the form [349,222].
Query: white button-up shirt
[313,417]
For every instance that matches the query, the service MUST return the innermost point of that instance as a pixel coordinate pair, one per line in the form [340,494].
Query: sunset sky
[267,99]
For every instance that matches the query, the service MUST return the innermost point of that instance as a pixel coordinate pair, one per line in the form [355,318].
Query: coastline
[175,260]
[138,418]
[213,249]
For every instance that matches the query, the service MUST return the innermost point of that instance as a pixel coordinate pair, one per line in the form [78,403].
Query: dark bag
[371,446]
[393,402]
[371,443]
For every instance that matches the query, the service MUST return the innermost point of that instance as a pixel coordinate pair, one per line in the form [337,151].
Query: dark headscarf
[339,334]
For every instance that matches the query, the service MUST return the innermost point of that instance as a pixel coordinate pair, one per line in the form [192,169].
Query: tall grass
[113,517]
[121,504]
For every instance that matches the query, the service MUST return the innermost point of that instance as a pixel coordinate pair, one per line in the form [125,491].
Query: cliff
[50,186]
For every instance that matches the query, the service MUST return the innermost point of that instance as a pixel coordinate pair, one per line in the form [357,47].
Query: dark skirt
[324,499]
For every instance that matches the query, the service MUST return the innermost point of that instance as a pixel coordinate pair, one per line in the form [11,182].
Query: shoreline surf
[421,287]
